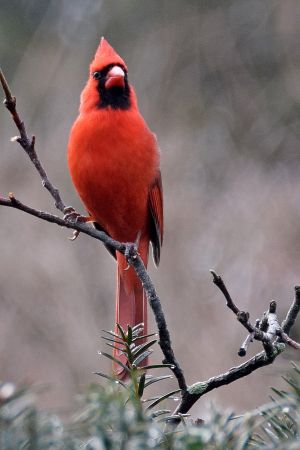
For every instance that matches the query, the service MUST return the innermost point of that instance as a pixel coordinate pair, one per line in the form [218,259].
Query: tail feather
[131,304]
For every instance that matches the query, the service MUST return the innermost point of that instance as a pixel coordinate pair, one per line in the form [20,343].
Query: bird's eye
[96,75]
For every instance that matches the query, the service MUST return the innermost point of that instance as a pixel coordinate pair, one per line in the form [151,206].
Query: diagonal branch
[84,228]
[197,390]
[220,283]
[289,321]
[27,144]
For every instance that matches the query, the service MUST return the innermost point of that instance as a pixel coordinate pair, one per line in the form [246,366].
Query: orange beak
[115,77]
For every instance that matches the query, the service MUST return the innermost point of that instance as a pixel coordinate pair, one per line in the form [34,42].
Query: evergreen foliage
[116,416]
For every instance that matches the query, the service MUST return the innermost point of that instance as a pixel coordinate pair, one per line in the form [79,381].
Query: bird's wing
[111,250]
[156,222]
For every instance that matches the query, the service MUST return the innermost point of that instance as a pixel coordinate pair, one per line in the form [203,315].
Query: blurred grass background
[218,82]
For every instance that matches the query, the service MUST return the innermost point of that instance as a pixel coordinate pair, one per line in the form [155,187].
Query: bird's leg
[137,240]
[131,250]
[73,216]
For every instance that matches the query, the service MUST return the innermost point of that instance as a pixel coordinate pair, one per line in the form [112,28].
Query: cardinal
[114,162]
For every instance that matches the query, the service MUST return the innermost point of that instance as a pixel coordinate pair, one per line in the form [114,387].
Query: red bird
[114,163]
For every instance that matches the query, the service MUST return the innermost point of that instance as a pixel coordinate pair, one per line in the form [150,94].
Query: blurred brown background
[218,82]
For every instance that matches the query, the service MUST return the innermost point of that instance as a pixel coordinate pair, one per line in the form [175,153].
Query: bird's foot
[74,236]
[73,216]
[131,249]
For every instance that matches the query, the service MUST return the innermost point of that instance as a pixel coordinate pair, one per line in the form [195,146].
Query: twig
[220,283]
[270,353]
[29,144]
[265,331]
[287,340]
[245,345]
[288,323]
[12,202]
[242,316]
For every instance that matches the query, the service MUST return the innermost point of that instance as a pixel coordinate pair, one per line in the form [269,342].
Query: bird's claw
[131,249]
[131,252]
[71,215]
[74,235]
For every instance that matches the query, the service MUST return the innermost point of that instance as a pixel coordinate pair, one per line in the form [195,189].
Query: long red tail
[131,303]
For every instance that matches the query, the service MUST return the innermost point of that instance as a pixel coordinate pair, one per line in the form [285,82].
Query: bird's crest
[106,55]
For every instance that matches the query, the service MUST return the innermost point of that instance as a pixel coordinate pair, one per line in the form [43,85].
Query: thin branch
[287,340]
[249,339]
[245,345]
[270,353]
[242,316]
[12,202]
[288,323]
[197,390]
[220,283]
[29,144]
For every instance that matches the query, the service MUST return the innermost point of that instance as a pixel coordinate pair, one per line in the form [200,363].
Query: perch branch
[12,202]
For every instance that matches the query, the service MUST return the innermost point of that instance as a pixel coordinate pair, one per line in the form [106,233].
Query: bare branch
[220,283]
[197,390]
[243,317]
[29,144]
[287,340]
[244,347]
[265,331]
[288,323]
[12,202]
